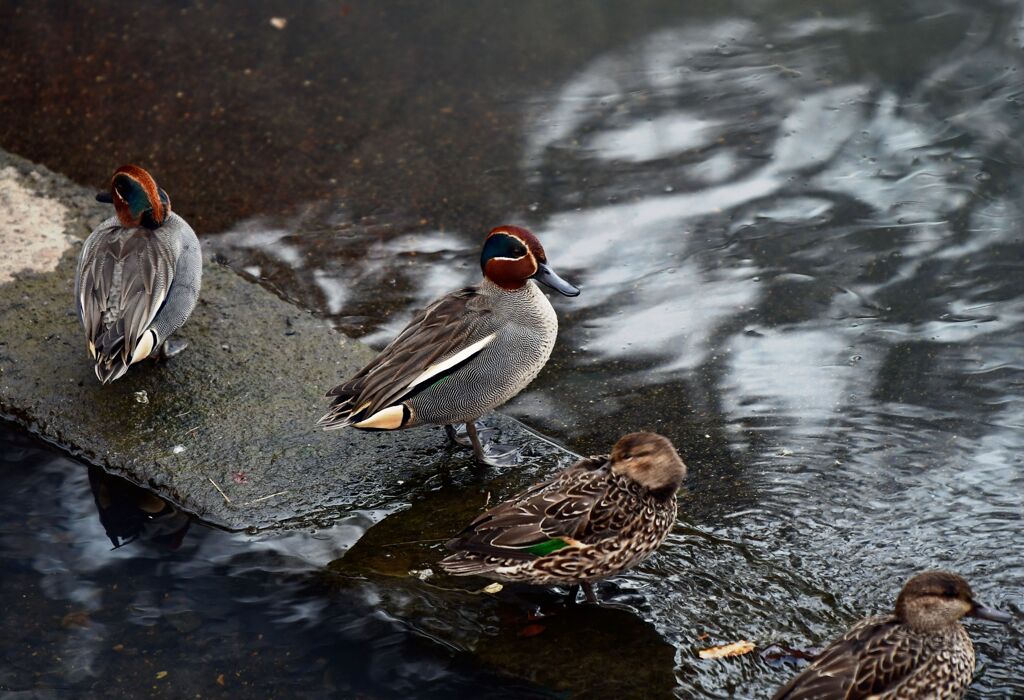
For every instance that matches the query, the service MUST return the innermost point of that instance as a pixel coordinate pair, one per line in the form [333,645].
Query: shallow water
[798,233]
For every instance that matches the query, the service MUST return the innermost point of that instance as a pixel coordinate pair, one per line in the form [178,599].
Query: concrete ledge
[226,429]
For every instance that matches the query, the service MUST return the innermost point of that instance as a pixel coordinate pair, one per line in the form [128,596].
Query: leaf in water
[161,674]
[735,649]
[492,588]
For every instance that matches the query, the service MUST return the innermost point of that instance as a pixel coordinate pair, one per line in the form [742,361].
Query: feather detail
[437,342]
[873,658]
[452,361]
[390,418]
[145,347]
[548,547]
[582,524]
[124,277]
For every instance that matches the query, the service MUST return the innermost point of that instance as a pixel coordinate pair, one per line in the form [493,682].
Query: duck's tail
[338,417]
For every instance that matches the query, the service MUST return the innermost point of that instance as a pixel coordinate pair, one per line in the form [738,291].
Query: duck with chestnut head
[138,276]
[465,354]
[599,517]
[919,651]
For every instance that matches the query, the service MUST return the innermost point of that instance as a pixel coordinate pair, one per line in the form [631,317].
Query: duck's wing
[544,518]
[439,340]
[873,656]
[124,277]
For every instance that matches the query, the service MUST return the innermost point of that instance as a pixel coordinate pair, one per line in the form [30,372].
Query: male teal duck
[597,518]
[919,651]
[466,353]
[138,276]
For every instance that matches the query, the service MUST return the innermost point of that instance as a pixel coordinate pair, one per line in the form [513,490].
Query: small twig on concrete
[192,431]
[219,489]
[263,498]
[182,415]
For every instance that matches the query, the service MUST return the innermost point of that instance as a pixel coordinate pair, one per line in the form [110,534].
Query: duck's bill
[546,276]
[105,197]
[983,612]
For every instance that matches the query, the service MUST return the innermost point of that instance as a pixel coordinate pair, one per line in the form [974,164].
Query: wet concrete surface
[227,429]
[396,107]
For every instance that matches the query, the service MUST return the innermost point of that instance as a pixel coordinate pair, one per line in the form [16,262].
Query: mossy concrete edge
[227,429]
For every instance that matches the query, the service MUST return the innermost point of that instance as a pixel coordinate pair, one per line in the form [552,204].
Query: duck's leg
[574,591]
[588,590]
[478,450]
[453,435]
[490,453]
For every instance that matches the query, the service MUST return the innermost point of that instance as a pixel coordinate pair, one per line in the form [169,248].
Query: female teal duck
[920,651]
[465,354]
[599,517]
[138,276]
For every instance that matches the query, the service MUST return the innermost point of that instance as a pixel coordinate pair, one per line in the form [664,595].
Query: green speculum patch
[545,548]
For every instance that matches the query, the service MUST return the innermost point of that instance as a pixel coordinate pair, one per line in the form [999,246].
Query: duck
[466,353]
[138,276]
[920,650]
[597,518]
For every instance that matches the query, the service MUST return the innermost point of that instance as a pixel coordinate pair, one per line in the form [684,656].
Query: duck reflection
[129,513]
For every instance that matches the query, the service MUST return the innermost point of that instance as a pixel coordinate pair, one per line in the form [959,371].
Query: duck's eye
[518,250]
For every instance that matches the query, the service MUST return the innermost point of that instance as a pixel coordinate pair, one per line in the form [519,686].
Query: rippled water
[798,235]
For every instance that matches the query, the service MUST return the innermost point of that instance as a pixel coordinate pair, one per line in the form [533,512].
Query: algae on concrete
[226,430]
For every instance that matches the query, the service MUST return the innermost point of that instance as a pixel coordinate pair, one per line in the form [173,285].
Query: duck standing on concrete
[138,276]
[465,354]
[919,651]
[597,518]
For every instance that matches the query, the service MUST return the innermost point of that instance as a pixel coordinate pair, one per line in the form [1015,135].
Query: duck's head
[936,599]
[136,198]
[650,460]
[512,255]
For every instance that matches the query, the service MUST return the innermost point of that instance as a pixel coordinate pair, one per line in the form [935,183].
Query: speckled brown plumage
[919,651]
[604,515]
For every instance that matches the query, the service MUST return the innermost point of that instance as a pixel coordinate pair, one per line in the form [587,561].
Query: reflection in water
[217,613]
[799,247]
[128,512]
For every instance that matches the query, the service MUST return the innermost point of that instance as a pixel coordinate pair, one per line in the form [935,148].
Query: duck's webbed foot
[170,348]
[491,453]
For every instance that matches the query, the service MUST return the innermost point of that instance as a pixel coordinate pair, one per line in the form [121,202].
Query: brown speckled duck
[597,518]
[467,353]
[920,651]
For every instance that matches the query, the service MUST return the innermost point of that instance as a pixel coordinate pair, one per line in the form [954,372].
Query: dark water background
[798,231]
